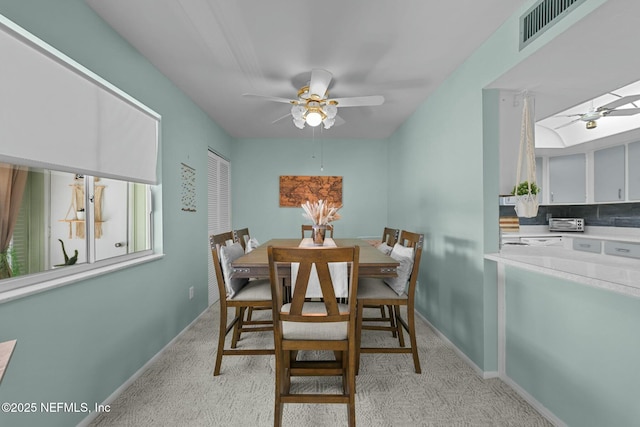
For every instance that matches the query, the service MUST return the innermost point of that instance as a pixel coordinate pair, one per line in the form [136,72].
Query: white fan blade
[319,82]
[360,101]
[567,124]
[569,115]
[623,112]
[280,118]
[619,102]
[269,98]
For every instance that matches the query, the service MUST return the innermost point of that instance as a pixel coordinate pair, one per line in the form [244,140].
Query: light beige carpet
[180,390]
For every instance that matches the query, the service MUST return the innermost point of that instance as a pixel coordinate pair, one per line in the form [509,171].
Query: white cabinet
[634,170]
[567,179]
[608,170]
[587,245]
[631,250]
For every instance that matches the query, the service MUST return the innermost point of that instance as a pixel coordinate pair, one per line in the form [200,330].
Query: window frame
[28,284]
[17,287]
[31,284]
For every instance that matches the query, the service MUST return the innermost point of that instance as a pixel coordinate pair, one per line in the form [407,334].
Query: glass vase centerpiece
[321,214]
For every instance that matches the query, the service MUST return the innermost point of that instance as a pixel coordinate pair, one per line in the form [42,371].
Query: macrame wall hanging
[77,205]
[526,192]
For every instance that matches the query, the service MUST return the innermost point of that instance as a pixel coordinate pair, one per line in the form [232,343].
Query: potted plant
[80,214]
[523,188]
[526,199]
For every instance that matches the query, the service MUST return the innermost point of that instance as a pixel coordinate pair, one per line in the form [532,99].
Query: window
[76,164]
[58,221]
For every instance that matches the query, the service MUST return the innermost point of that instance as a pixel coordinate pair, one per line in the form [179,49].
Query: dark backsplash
[603,215]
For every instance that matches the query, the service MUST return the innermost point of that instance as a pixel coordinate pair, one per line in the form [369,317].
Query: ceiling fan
[605,110]
[313,105]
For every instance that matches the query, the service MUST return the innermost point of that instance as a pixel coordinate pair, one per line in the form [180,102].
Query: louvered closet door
[218,209]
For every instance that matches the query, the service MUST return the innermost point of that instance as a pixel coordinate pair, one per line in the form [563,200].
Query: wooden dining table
[373,263]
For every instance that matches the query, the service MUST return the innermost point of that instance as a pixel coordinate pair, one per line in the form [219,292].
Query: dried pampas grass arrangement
[320,212]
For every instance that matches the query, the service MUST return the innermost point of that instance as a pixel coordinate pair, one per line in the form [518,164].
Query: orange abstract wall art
[295,190]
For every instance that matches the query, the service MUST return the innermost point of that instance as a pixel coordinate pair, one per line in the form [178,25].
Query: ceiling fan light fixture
[297,111]
[328,122]
[299,123]
[313,118]
[313,105]
[331,110]
[303,93]
[592,124]
[314,115]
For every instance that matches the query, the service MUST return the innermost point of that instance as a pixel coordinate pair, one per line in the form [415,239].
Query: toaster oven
[566,224]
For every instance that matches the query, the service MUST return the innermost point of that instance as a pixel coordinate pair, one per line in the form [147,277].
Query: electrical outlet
[191,290]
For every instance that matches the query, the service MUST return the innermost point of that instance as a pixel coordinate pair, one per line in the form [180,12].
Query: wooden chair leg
[286,370]
[412,338]
[277,414]
[394,324]
[345,370]
[279,389]
[360,313]
[351,407]
[397,314]
[351,387]
[221,336]
[238,326]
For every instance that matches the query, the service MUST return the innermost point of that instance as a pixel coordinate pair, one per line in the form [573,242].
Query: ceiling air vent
[542,16]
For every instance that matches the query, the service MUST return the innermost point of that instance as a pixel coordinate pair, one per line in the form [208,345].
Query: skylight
[561,131]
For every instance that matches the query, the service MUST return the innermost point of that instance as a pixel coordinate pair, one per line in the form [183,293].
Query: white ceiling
[216,50]
[597,55]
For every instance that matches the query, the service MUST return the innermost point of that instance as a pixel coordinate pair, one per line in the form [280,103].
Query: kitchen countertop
[614,273]
[620,234]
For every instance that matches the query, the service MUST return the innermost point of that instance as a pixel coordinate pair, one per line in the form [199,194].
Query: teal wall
[258,164]
[437,174]
[79,343]
[491,162]
[445,186]
[574,348]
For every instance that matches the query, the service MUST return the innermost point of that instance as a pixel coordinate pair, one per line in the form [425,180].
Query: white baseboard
[471,363]
[89,418]
[494,374]
[533,402]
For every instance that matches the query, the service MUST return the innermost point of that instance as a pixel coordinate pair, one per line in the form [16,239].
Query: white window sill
[46,285]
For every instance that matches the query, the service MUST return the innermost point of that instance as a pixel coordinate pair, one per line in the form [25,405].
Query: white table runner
[338,271]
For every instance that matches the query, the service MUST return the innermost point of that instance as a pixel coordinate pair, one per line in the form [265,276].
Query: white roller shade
[127,139]
[56,114]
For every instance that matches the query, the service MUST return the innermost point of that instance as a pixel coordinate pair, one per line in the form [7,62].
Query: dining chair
[389,239]
[390,236]
[320,325]
[394,292]
[309,228]
[239,294]
[242,236]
